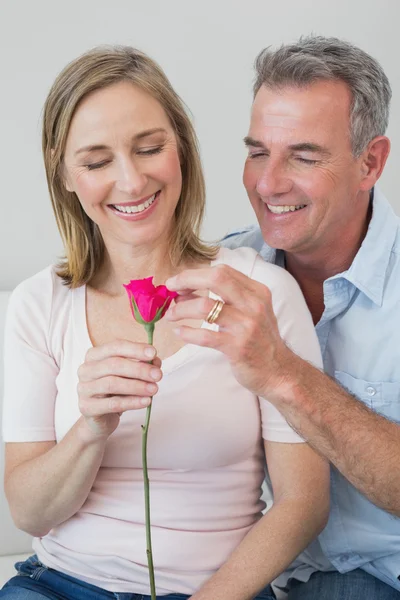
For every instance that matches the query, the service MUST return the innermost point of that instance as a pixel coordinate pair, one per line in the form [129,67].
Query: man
[316,148]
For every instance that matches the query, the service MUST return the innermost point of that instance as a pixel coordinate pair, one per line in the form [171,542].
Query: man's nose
[130,178]
[273,180]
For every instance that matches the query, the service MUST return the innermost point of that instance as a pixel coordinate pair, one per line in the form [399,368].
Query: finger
[222,280]
[203,337]
[200,308]
[156,362]
[117,386]
[122,367]
[95,407]
[185,297]
[125,348]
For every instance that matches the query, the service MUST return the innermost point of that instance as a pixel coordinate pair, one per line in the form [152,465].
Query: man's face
[301,176]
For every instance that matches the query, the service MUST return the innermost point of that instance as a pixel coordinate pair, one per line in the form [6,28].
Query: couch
[14,544]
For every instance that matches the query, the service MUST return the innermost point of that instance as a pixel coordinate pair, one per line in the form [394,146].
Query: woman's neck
[123,263]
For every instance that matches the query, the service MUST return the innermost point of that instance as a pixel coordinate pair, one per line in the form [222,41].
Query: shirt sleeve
[30,370]
[297,330]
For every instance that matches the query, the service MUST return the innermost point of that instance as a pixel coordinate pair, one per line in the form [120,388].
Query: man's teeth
[283,209]
[135,209]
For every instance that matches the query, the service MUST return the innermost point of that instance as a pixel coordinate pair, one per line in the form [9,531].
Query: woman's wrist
[87,436]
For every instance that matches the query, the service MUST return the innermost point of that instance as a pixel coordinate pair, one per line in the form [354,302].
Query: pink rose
[148,302]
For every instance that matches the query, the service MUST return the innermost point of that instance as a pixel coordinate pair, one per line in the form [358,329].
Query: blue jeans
[35,581]
[355,585]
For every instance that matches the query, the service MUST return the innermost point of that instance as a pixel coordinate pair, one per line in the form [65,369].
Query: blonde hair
[83,242]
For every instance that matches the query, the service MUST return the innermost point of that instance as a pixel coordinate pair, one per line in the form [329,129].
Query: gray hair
[316,58]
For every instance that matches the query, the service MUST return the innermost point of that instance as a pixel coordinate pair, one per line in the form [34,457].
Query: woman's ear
[373,161]
[67,185]
[65,181]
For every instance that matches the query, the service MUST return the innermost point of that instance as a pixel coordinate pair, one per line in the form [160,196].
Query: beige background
[207,49]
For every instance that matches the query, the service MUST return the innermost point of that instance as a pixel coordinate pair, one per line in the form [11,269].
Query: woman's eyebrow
[138,136]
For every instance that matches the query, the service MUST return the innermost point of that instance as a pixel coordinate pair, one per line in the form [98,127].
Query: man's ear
[373,161]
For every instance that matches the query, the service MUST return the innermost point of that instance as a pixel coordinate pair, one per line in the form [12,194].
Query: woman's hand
[114,378]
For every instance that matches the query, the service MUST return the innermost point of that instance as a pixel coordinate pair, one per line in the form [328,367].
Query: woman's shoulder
[242,259]
[40,296]
[250,263]
[43,286]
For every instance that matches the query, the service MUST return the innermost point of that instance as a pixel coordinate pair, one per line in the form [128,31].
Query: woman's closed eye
[97,165]
[149,151]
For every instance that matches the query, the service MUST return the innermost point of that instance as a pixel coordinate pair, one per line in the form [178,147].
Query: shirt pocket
[381,396]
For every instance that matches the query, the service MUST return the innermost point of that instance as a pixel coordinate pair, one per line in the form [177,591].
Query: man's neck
[311,269]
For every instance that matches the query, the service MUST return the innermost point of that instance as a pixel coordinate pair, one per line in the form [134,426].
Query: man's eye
[307,161]
[98,165]
[150,151]
[257,154]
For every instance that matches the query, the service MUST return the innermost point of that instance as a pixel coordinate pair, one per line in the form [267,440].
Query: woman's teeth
[135,209]
[283,209]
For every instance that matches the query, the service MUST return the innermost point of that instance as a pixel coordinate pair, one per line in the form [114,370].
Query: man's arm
[363,445]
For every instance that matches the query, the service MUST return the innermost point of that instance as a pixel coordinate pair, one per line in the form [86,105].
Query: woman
[127,190]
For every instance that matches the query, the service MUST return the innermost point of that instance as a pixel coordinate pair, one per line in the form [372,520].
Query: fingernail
[145,401]
[155,373]
[151,387]
[170,281]
[150,352]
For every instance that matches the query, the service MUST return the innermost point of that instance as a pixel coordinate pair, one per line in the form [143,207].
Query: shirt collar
[368,269]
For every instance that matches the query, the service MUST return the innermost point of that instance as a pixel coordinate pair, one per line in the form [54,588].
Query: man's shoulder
[250,237]
[246,236]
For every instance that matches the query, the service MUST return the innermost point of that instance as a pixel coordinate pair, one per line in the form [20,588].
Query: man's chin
[278,242]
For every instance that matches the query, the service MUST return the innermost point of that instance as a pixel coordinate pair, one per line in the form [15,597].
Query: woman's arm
[300,482]
[46,483]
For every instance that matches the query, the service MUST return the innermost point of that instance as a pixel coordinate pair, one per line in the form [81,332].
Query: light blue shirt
[359,335]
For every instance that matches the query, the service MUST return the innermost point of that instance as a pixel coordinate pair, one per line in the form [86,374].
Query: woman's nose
[130,180]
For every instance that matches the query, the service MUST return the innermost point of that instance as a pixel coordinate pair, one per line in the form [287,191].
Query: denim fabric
[356,585]
[35,581]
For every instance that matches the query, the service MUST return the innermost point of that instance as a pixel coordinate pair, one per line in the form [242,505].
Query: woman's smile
[134,211]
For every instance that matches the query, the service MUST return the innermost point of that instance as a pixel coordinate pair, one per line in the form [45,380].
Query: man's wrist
[288,384]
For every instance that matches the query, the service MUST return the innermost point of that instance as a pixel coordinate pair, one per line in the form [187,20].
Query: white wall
[206,47]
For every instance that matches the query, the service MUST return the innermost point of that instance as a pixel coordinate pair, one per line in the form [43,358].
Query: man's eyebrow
[251,142]
[301,147]
[309,147]
[137,137]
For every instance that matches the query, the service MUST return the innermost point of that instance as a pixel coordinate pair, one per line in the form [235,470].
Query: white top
[205,451]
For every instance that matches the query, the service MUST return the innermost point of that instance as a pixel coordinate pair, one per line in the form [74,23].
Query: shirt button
[371,391]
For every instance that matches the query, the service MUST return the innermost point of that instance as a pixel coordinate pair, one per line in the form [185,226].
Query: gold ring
[215,312]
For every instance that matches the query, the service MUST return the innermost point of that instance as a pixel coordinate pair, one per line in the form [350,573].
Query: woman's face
[122,161]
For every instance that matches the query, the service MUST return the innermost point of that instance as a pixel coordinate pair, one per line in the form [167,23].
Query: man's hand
[248,332]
